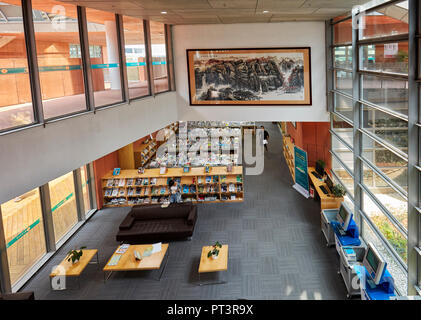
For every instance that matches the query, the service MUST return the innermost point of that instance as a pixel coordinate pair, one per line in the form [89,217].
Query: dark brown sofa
[147,224]
[18,296]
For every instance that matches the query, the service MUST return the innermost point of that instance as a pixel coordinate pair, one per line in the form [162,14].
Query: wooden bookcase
[288,149]
[217,183]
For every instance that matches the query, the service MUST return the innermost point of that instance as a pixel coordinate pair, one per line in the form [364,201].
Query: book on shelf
[138,182]
[115,192]
[208,179]
[121,192]
[163,190]
[108,192]
[138,191]
[145,182]
[153,181]
[130,191]
[110,182]
[231,187]
[129,182]
[121,182]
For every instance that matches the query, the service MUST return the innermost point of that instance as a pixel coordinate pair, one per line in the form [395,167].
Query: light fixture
[164,12]
[265,11]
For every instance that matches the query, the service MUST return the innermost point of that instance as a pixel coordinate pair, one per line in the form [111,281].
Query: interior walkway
[276,248]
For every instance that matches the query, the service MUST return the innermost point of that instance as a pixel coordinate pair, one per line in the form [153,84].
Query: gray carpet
[276,249]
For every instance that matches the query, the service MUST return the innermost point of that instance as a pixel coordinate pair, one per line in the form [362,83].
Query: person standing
[175,195]
[265,138]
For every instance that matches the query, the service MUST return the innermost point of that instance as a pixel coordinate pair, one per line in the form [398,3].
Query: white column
[112,51]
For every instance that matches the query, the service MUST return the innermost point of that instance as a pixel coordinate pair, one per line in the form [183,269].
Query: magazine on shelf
[129,182]
[115,192]
[110,182]
[121,182]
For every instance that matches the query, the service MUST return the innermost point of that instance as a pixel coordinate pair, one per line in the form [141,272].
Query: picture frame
[249,76]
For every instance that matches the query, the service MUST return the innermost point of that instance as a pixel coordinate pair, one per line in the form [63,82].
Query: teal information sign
[301,171]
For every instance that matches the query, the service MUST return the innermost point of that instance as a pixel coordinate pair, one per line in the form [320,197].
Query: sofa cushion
[191,218]
[156,212]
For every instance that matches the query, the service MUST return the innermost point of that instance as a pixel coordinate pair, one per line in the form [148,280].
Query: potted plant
[321,163]
[338,190]
[215,251]
[75,255]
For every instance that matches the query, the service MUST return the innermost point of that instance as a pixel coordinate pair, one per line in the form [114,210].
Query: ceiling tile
[244,19]
[346,4]
[279,4]
[214,12]
[237,4]
[172,4]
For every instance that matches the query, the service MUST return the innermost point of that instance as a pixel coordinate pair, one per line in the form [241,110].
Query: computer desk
[327,201]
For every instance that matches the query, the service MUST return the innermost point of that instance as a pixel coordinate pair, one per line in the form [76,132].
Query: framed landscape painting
[263,76]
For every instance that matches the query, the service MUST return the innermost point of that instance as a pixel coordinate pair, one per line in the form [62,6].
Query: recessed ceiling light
[265,11]
[164,12]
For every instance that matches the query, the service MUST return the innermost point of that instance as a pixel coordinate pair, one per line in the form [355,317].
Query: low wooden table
[213,265]
[74,269]
[128,262]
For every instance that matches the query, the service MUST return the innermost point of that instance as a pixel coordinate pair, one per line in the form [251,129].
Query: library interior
[210,149]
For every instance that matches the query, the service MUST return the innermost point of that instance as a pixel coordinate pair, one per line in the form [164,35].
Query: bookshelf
[288,150]
[131,188]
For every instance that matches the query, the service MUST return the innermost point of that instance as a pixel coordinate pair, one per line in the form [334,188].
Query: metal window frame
[170,57]
[148,52]
[414,152]
[341,140]
[122,58]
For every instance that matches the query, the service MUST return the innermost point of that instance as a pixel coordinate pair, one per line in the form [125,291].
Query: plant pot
[214,256]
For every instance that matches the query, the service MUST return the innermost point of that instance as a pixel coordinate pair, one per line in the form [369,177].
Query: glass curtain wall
[105,57]
[136,62]
[60,72]
[24,233]
[23,220]
[16,107]
[342,116]
[381,102]
[159,56]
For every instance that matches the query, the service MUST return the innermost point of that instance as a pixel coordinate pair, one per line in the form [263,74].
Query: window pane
[386,127]
[61,74]
[63,204]
[159,56]
[24,233]
[387,57]
[15,90]
[392,200]
[343,57]
[343,129]
[387,21]
[342,32]
[105,61]
[399,275]
[137,73]
[343,105]
[85,188]
[346,179]
[343,81]
[343,153]
[397,240]
[392,166]
[385,92]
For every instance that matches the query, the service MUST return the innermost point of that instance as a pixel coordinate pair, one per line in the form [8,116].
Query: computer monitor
[374,263]
[344,216]
[329,182]
[319,169]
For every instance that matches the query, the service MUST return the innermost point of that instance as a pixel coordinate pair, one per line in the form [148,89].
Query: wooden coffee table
[128,262]
[69,269]
[213,265]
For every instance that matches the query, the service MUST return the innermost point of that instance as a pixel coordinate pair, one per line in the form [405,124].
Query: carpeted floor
[276,249]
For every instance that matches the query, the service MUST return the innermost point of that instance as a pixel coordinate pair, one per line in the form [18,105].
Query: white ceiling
[224,11]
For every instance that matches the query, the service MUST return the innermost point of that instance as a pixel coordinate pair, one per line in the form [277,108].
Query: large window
[86,183]
[135,51]
[106,73]
[61,76]
[24,233]
[63,204]
[379,108]
[15,91]
[159,57]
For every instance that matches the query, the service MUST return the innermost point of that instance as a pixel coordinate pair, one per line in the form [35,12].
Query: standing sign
[301,172]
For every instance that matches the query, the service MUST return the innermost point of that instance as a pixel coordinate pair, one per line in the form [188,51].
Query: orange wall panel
[101,167]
